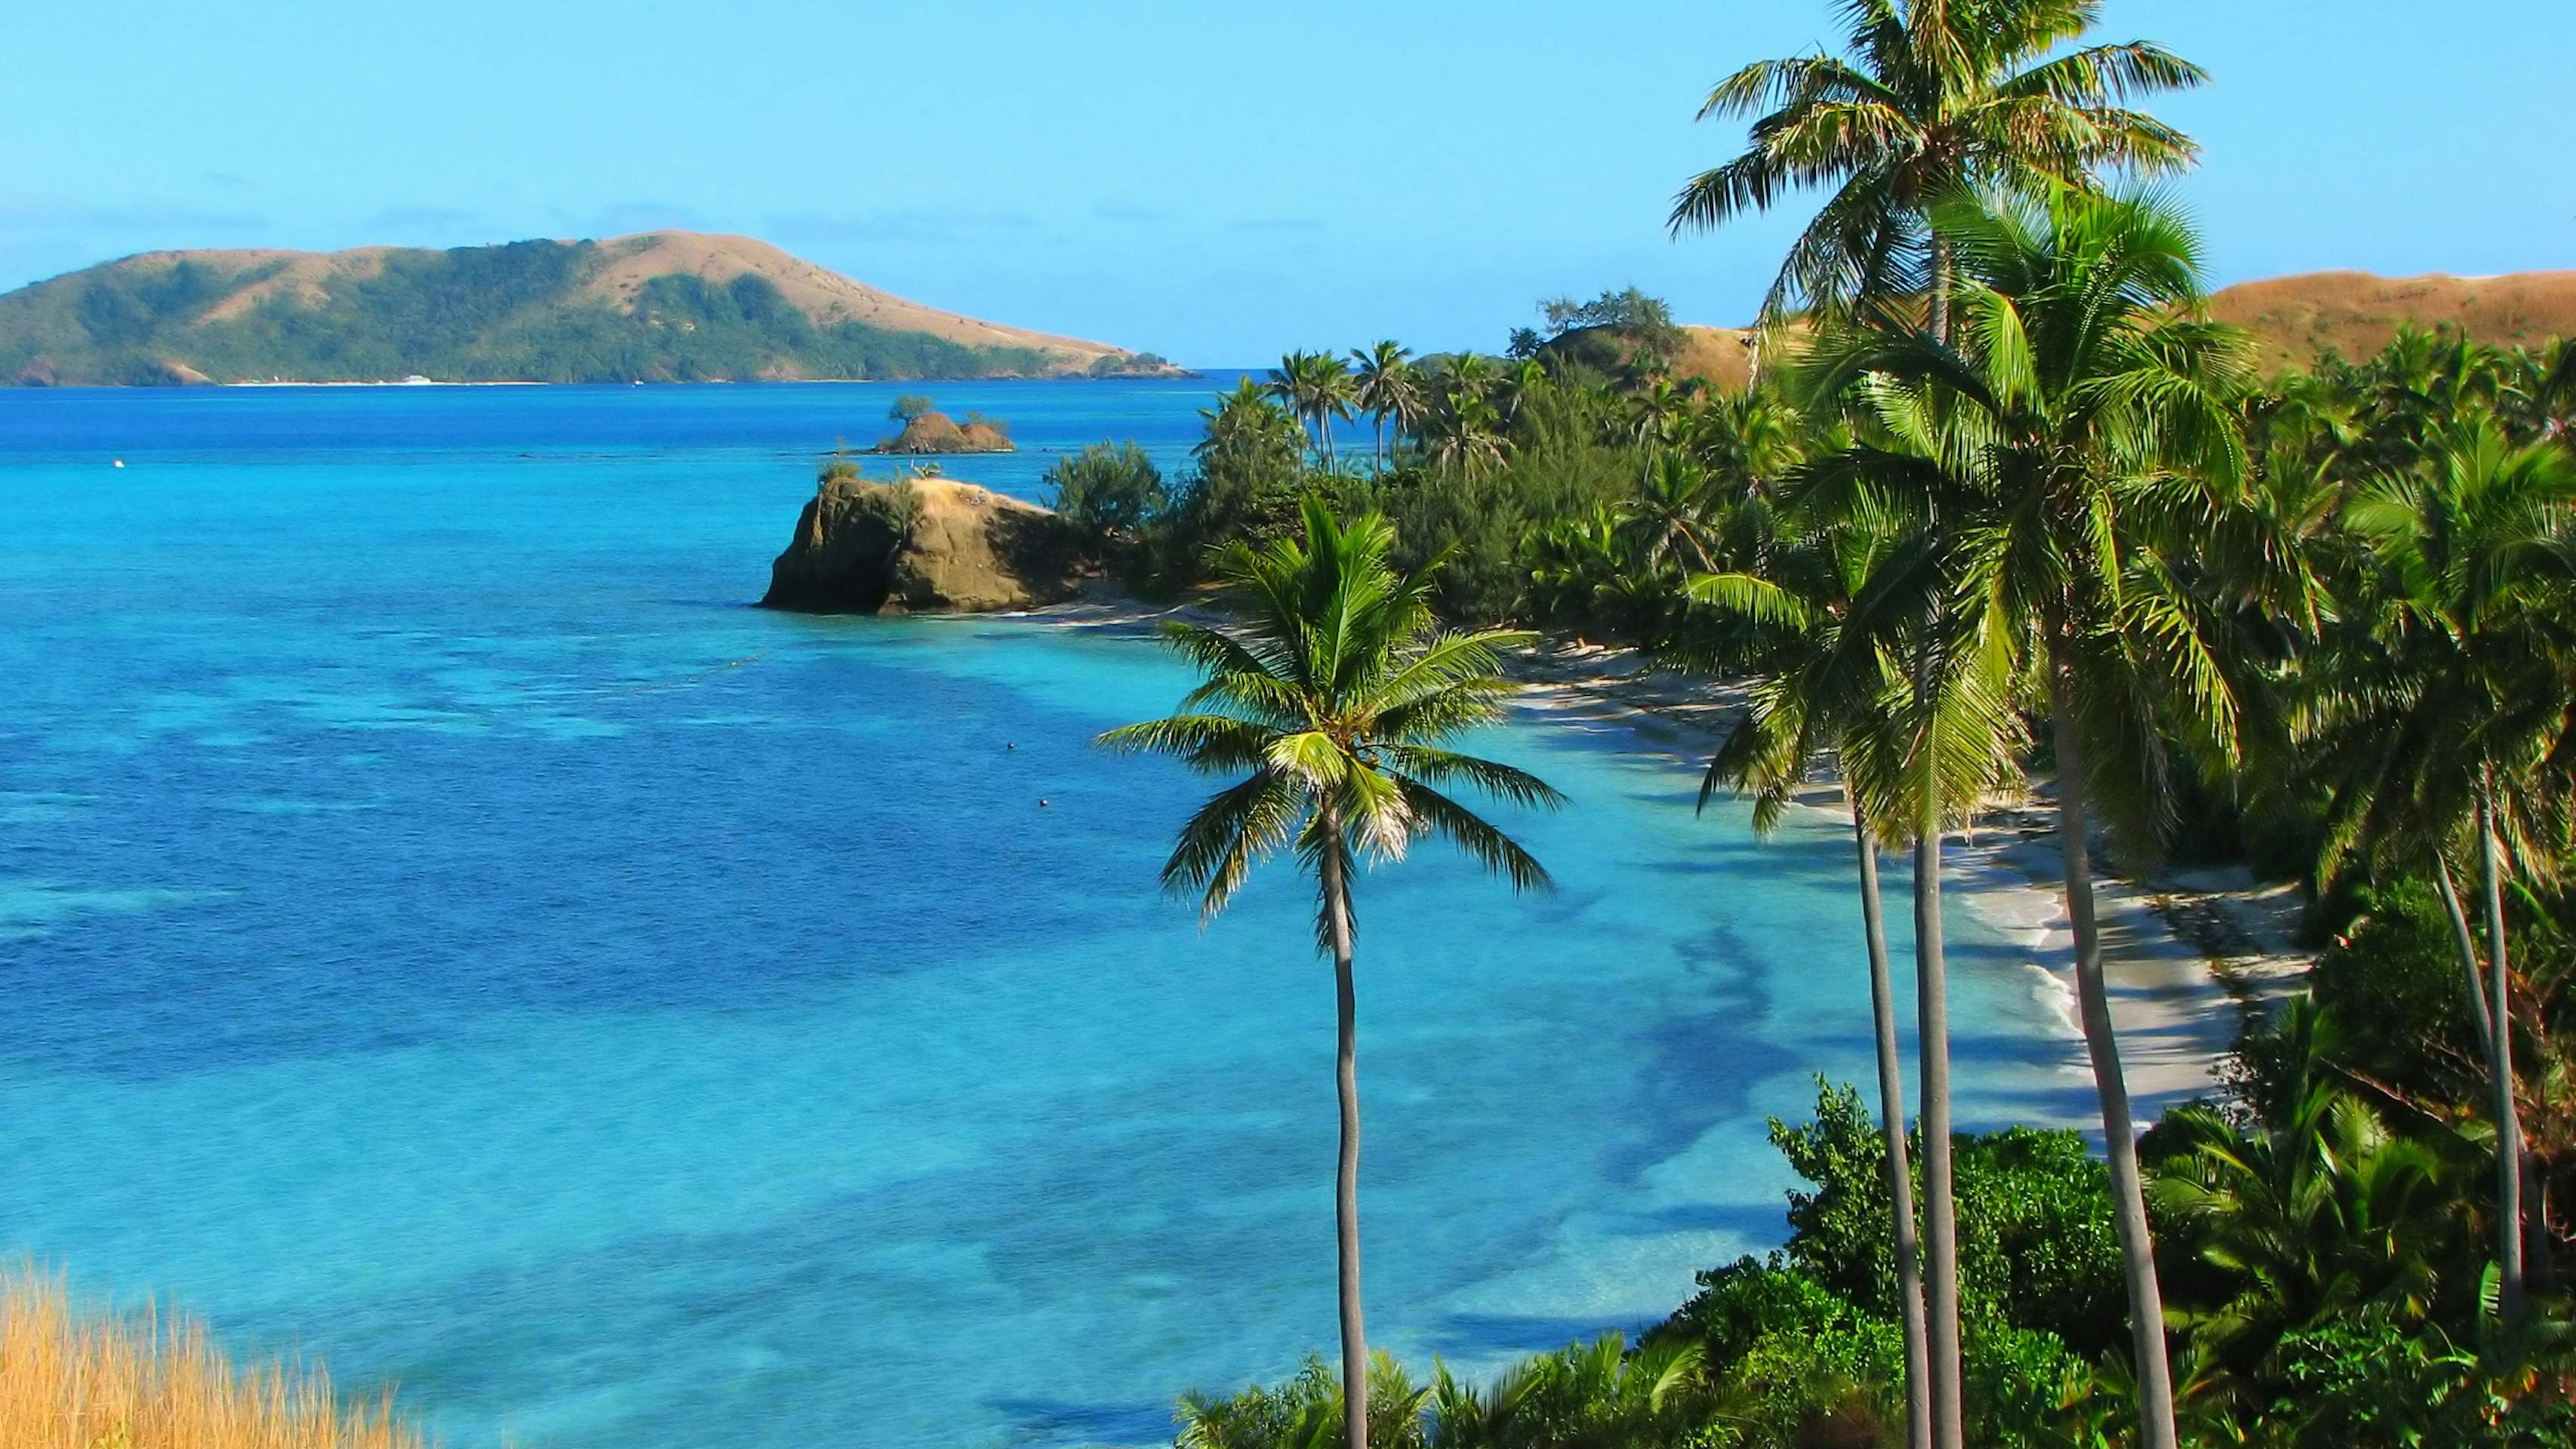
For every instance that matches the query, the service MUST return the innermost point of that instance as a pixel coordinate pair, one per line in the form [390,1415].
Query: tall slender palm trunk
[1940,1208]
[1346,1176]
[1891,1117]
[1381,442]
[2467,948]
[2508,1118]
[2153,1368]
[1932,1019]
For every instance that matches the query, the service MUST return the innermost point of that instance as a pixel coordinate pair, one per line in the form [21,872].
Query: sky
[1214,182]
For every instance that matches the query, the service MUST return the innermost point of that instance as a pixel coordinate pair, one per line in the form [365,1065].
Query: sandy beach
[2187,953]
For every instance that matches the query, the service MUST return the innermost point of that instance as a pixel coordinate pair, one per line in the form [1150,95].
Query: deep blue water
[443,930]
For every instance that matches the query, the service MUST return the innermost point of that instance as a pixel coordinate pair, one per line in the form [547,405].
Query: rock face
[940,433]
[930,545]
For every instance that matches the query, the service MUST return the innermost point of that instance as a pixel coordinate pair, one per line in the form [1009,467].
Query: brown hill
[823,296]
[2354,314]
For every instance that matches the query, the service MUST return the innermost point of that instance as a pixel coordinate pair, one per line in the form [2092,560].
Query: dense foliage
[2332,621]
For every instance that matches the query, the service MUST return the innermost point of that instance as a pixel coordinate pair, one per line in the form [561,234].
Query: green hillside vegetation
[516,312]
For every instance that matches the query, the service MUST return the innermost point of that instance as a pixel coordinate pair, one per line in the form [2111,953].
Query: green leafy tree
[1109,491]
[1336,698]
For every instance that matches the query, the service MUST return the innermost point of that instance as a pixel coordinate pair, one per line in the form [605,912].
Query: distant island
[663,306]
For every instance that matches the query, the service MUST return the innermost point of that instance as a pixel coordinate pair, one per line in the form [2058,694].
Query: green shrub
[1108,492]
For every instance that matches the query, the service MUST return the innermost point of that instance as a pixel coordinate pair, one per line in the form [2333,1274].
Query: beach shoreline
[2189,956]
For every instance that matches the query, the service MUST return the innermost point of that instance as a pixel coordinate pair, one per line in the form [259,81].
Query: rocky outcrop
[927,545]
[939,433]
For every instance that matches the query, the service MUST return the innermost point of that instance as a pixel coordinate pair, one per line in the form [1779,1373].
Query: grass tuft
[70,1380]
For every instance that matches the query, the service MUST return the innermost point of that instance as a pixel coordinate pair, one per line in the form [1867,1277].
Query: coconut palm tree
[1928,96]
[1799,626]
[1245,421]
[1669,522]
[2323,1211]
[1384,385]
[1316,387]
[2090,424]
[1335,699]
[2451,715]
[1464,433]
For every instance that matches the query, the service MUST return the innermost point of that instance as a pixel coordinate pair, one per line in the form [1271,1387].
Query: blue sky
[1214,182]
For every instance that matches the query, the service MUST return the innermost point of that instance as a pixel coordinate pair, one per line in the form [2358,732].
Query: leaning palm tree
[1384,385]
[1929,96]
[2090,422]
[1336,700]
[2452,714]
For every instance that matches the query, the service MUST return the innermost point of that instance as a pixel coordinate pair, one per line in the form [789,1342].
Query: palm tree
[1306,1412]
[1246,421]
[1316,387]
[1799,626]
[1929,96]
[1670,516]
[2453,714]
[2324,1211]
[1597,1394]
[1464,433]
[2090,425]
[1384,385]
[1337,696]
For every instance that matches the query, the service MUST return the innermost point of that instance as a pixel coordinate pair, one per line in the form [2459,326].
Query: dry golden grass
[71,1381]
[2355,314]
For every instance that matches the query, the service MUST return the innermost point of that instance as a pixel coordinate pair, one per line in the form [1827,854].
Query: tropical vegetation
[2003,514]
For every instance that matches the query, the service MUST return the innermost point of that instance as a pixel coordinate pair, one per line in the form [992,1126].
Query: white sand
[2185,956]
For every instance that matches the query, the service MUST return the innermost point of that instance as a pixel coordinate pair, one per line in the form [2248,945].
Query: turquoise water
[444,931]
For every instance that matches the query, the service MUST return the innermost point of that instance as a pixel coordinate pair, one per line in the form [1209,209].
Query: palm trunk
[2508,1118]
[1346,1176]
[1932,1016]
[2119,1128]
[1891,1116]
[2479,1018]
[1940,1210]
[1381,442]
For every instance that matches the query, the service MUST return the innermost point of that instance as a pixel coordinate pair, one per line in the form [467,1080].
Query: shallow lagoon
[445,932]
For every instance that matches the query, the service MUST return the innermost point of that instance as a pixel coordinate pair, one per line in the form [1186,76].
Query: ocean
[446,932]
